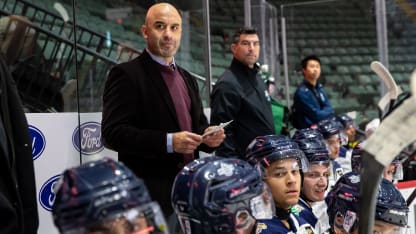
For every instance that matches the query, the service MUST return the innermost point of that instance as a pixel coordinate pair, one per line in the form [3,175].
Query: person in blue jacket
[282,163]
[310,102]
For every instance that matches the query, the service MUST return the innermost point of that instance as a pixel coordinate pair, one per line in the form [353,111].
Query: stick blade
[393,91]
[395,132]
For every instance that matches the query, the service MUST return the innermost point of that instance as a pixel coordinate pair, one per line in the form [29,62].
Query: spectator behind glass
[241,95]
[152,111]
[105,197]
[18,206]
[310,102]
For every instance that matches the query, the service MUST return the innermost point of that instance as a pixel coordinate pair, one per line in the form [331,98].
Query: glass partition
[225,18]
[343,35]
[265,19]
[37,41]
[401,23]
[59,53]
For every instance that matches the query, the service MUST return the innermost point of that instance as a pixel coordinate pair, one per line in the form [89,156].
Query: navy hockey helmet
[315,151]
[264,150]
[92,196]
[329,128]
[219,195]
[391,206]
[345,120]
[307,133]
[343,203]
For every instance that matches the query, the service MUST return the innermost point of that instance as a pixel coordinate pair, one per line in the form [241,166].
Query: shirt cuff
[169,142]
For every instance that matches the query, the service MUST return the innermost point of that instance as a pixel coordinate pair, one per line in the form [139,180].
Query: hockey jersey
[272,226]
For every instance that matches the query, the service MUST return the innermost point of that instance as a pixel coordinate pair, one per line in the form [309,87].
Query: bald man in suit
[152,111]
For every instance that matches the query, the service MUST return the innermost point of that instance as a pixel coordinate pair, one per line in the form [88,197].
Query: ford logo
[38,141]
[90,142]
[47,194]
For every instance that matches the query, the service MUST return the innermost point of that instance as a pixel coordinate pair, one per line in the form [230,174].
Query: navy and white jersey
[344,159]
[319,209]
[305,211]
[336,172]
[273,226]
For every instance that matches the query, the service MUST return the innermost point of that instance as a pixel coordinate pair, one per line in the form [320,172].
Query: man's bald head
[162,30]
[160,8]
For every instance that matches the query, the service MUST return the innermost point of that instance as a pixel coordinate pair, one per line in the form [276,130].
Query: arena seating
[342,33]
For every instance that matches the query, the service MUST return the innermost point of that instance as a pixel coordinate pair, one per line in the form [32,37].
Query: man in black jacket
[18,207]
[241,95]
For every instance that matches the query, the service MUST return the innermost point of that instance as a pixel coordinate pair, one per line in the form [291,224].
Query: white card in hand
[217,128]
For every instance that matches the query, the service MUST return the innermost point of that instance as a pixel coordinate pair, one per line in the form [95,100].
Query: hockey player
[330,131]
[307,133]
[393,172]
[282,162]
[105,197]
[344,200]
[220,195]
[315,183]
[349,130]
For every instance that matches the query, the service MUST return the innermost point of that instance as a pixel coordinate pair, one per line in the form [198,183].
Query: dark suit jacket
[138,112]
[18,206]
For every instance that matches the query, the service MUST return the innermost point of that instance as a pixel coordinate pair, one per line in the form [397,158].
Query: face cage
[147,218]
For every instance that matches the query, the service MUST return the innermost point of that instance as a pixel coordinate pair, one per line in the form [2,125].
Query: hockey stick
[386,102]
[395,132]
[412,197]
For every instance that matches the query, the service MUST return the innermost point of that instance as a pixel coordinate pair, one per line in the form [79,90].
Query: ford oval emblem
[47,194]
[87,138]
[38,141]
